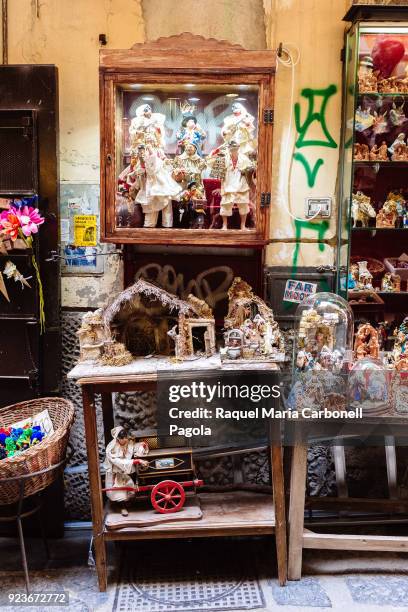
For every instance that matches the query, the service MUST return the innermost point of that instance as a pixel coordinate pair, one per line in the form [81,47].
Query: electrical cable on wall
[287,58]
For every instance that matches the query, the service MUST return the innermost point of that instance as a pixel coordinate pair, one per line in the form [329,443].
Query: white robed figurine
[146,123]
[239,127]
[234,186]
[121,461]
[158,189]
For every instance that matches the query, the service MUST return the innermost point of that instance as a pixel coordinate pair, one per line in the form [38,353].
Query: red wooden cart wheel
[167,496]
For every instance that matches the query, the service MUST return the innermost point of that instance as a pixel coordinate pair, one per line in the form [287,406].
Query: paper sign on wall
[296,291]
[85,230]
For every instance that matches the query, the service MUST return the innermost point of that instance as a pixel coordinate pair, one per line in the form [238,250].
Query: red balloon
[386,54]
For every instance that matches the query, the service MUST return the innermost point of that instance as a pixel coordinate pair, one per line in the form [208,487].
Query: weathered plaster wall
[316,29]
[238,21]
[66,34]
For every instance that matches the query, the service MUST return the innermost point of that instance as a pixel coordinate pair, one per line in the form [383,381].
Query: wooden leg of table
[107,411]
[279,504]
[297,510]
[91,437]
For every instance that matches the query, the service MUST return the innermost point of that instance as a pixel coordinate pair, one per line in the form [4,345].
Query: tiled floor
[206,575]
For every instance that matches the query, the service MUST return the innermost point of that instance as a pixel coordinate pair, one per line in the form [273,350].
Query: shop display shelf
[224,514]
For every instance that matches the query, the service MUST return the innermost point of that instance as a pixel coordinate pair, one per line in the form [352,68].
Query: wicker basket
[50,451]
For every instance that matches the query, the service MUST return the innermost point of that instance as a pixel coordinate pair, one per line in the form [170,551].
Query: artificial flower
[10,223]
[30,219]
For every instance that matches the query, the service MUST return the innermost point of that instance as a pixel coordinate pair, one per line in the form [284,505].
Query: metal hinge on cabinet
[265,200]
[268,116]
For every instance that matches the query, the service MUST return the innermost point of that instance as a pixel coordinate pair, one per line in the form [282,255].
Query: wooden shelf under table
[224,514]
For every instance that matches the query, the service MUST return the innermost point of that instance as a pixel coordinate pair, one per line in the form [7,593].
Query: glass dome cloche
[324,327]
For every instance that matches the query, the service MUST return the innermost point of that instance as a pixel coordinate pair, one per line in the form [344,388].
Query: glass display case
[186,143]
[373,197]
[324,326]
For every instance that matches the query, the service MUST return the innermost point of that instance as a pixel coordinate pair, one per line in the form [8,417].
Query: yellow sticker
[85,230]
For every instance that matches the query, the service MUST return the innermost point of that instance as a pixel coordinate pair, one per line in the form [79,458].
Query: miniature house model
[251,330]
[146,320]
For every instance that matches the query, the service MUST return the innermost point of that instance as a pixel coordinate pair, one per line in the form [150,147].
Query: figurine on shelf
[400,140]
[127,178]
[192,207]
[147,123]
[367,79]
[379,152]
[92,336]
[122,459]
[235,186]
[363,120]
[190,131]
[158,189]
[251,330]
[365,278]
[400,351]
[239,127]
[361,209]
[387,215]
[361,152]
[391,283]
[400,153]
[189,166]
[380,125]
[366,343]
[397,114]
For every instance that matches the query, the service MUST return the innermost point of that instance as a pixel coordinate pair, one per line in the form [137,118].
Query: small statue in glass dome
[190,131]
[239,127]
[146,123]
[123,459]
[367,79]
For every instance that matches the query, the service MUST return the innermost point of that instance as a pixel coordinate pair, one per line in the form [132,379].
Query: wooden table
[224,514]
[300,538]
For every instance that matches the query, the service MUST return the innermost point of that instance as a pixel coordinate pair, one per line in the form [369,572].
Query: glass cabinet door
[187,156]
[373,225]
[346,159]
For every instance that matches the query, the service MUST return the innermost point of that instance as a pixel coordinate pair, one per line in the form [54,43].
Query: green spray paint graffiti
[317,101]
[313,117]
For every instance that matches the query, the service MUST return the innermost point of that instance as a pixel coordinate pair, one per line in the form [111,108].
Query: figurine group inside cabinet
[201,174]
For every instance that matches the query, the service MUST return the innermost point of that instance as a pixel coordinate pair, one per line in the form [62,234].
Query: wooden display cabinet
[194,80]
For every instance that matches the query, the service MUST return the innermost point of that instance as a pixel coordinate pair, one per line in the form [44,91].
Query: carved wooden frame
[178,58]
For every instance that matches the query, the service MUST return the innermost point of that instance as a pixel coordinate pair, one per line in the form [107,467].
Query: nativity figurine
[235,183]
[367,79]
[239,127]
[146,123]
[251,332]
[400,351]
[391,283]
[387,216]
[157,187]
[123,458]
[361,152]
[191,131]
[361,209]
[189,166]
[366,343]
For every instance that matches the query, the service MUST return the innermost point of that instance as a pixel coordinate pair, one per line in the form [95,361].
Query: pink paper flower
[30,219]
[10,224]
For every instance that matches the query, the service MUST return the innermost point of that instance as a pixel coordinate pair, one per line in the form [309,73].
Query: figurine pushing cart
[164,475]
